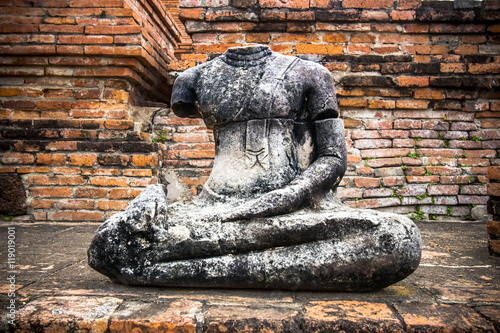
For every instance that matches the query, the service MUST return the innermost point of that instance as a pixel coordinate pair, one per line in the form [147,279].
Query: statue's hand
[276,202]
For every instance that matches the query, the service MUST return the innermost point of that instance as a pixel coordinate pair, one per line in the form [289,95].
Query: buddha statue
[268,216]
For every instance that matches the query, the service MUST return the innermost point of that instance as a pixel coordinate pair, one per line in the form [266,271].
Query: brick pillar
[493,226]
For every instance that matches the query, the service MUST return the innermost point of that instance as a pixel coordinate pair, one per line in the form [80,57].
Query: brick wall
[82,80]
[80,83]
[417,86]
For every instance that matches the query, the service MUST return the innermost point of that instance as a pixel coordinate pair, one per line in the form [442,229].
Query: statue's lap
[337,249]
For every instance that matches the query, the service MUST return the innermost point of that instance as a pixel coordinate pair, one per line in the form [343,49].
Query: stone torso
[255,100]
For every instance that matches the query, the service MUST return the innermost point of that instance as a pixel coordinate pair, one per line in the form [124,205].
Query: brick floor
[455,289]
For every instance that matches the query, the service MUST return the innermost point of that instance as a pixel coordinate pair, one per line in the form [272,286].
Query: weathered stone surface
[328,250]
[177,316]
[57,314]
[12,195]
[350,316]
[250,319]
[268,216]
[422,317]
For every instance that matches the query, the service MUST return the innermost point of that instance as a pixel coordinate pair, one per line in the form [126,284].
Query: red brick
[428,94]
[144,160]
[83,159]
[355,135]
[128,193]
[19,104]
[65,170]
[407,124]
[474,189]
[464,179]
[111,205]
[54,105]
[112,30]
[360,49]
[473,199]
[135,51]
[392,181]
[366,182]
[386,49]
[101,172]
[17,158]
[301,16]
[295,4]
[79,134]
[17,91]
[76,216]
[368,4]
[372,144]
[352,123]
[384,162]
[262,37]
[322,3]
[143,182]
[346,193]
[96,3]
[376,203]
[352,103]
[443,190]
[51,159]
[54,180]
[411,104]
[402,15]
[271,15]
[415,171]
[69,39]
[363,38]
[372,15]
[85,105]
[319,49]
[408,4]
[388,152]
[51,192]
[91,193]
[41,204]
[422,179]
[364,171]
[480,153]
[413,81]
[453,68]
[490,68]
[75,204]
[191,14]
[466,49]
[22,170]
[378,124]
[334,38]
[231,38]
[494,173]
[109,181]
[49,39]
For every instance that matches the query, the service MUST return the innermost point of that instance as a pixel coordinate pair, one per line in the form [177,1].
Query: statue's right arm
[183,101]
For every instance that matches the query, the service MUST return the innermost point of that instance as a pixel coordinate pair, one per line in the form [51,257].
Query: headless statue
[268,216]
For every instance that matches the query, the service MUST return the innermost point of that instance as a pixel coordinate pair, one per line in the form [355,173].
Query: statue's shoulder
[313,67]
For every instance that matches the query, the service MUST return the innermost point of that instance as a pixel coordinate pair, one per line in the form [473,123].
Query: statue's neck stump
[246,56]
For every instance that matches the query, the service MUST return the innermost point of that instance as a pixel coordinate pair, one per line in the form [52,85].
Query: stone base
[341,249]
